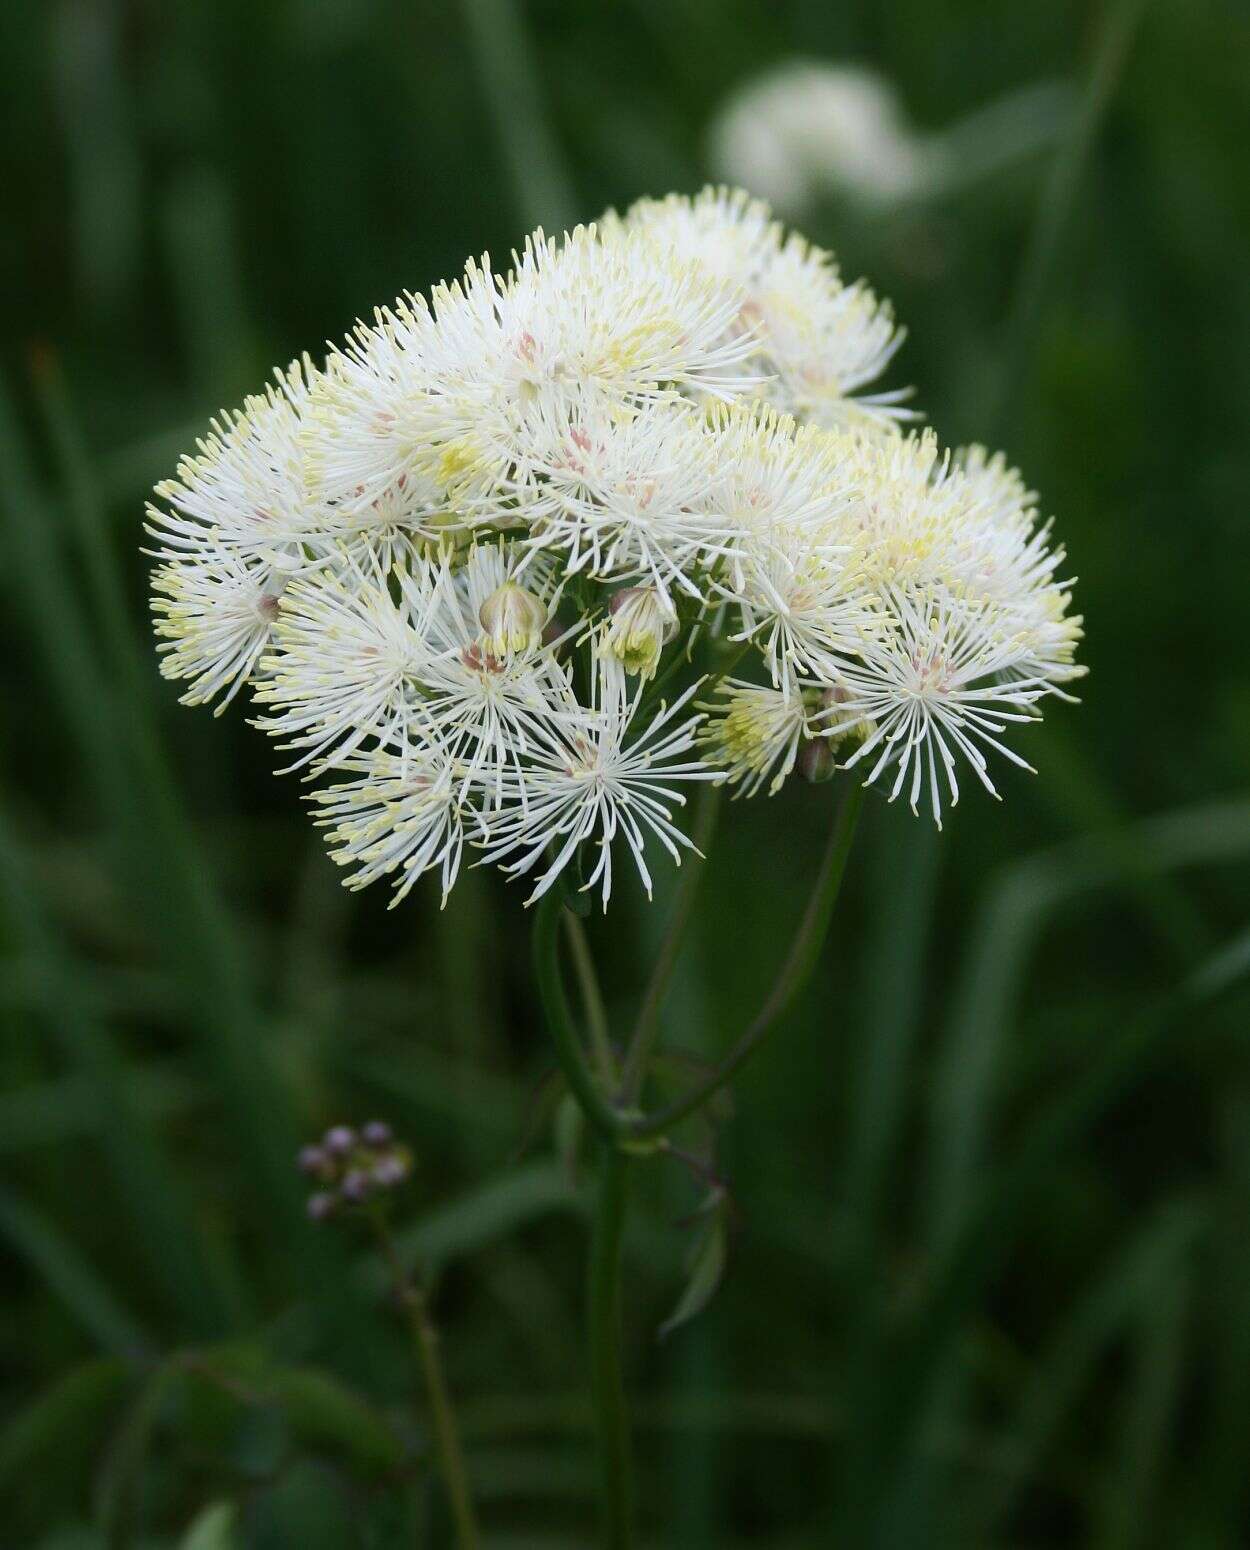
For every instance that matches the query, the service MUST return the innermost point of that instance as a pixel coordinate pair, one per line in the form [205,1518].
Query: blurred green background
[991,1279]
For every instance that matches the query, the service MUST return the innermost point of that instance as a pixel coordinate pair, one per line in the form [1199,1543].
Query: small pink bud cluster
[353,1166]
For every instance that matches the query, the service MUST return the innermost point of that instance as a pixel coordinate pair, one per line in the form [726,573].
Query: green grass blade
[66,1108]
[161,1221]
[906,877]
[69,1276]
[48,1446]
[541,185]
[168,875]
[491,1211]
[922,1362]
[1004,934]
[1160,1364]
[1131,1280]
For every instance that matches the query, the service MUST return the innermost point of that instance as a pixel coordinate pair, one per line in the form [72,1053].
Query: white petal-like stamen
[589,787]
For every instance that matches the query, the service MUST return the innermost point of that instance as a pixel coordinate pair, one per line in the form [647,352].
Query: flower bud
[316,1162]
[339,1140]
[377,1133]
[322,1205]
[816,763]
[390,1170]
[356,1187]
[642,623]
[838,725]
[513,620]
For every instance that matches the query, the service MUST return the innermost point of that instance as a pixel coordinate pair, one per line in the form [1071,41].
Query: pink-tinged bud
[339,1140]
[377,1133]
[839,725]
[356,1187]
[390,1171]
[316,1162]
[322,1206]
[513,620]
[816,762]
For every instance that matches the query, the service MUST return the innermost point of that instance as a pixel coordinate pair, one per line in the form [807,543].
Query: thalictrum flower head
[474,567]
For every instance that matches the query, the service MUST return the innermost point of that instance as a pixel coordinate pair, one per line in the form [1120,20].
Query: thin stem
[606,1369]
[592,999]
[446,1433]
[793,976]
[646,1029]
[598,1111]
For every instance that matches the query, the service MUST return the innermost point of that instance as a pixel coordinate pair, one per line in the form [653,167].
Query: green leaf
[46,1450]
[71,1277]
[705,1262]
[122,1475]
[213,1529]
[316,1412]
[480,1216]
[307,1508]
[325,1416]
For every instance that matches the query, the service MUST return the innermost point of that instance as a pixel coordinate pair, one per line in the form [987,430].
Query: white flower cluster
[459,564]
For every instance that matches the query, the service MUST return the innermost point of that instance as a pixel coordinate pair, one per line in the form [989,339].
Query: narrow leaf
[705,1263]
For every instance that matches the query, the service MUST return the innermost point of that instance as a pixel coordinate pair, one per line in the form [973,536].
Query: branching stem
[647,1028]
[793,976]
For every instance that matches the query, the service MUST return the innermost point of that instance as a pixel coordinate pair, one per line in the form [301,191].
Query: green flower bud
[642,622]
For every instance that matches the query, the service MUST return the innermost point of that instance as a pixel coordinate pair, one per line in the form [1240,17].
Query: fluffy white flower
[817,341]
[753,733]
[454,391]
[622,495]
[929,686]
[592,784]
[347,657]
[213,620]
[400,813]
[459,565]
[790,569]
[491,712]
[243,492]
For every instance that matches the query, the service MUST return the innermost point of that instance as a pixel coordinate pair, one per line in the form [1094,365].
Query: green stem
[592,999]
[599,1112]
[442,1417]
[794,973]
[646,1029]
[606,1368]
[604,1283]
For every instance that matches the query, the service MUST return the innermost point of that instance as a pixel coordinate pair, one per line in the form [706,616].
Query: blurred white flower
[805,129]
